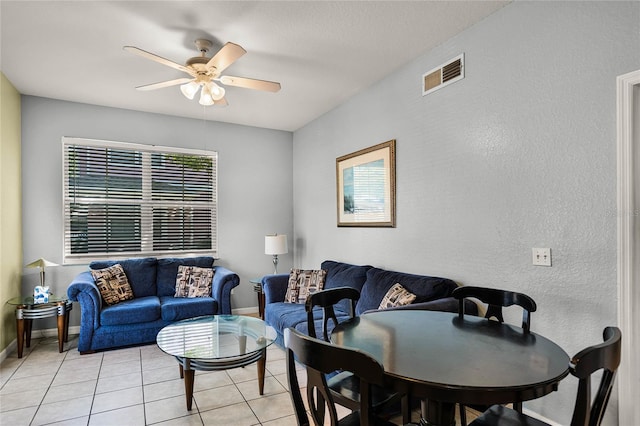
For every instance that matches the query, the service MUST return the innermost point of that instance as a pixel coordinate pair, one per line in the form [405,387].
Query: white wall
[254,184]
[519,154]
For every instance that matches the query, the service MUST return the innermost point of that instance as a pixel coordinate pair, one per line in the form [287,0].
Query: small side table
[27,311]
[257,287]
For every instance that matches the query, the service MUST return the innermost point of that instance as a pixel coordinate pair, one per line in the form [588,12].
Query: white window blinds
[123,200]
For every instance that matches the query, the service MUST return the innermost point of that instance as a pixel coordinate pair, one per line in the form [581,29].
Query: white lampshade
[217,92]
[205,96]
[275,244]
[40,263]
[190,89]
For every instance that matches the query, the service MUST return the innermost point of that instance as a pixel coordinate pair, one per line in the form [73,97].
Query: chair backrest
[606,357]
[497,299]
[320,358]
[327,299]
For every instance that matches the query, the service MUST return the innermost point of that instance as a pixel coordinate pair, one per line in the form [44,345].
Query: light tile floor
[137,386]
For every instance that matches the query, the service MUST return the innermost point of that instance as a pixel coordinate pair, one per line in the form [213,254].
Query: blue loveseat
[139,320]
[433,293]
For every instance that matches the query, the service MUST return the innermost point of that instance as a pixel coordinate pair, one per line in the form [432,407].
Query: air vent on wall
[443,75]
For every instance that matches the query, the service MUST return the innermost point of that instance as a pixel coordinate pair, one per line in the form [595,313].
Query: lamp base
[275,264]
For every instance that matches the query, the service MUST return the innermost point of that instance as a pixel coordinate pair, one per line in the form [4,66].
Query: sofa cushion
[113,284]
[168,271]
[344,275]
[302,283]
[193,281]
[140,309]
[397,296]
[281,315]
[379,281]
[303,327]
[179,308]
[140,272]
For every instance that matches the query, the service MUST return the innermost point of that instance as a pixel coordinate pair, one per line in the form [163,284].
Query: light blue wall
[519,154]
[254,183]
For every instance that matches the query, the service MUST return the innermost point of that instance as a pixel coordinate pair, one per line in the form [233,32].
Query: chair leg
[463,415]
[405,404]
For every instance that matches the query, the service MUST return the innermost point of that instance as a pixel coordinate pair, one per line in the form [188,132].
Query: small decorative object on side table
[27,310]
[257,287]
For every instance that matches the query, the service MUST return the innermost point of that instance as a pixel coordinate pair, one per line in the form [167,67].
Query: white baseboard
[9,349]
[540,417]
[244,311]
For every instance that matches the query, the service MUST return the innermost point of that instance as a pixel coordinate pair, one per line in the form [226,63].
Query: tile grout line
[104,363]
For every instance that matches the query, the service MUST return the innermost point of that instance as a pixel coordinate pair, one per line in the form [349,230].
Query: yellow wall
[10,207]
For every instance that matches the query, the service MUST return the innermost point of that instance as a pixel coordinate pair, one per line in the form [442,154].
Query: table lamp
[274,245]
[41,263]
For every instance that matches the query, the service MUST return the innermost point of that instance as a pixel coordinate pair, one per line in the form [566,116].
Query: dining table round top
[469,359]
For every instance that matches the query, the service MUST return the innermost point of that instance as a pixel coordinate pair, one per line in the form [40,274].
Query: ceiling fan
[205,72]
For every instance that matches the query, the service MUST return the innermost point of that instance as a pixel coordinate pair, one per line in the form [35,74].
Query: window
[124,200]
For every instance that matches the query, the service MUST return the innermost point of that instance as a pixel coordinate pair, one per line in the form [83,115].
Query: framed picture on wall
[366,186]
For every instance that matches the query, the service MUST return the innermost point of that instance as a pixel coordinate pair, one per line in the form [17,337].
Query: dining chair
[319,359]
[326,300]
[495,299]
[344,386]
[587,412]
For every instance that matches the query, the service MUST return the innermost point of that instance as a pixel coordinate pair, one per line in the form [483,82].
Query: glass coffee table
[27,310]
[217,342]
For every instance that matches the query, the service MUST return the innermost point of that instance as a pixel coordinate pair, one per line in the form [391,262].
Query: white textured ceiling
[322,52]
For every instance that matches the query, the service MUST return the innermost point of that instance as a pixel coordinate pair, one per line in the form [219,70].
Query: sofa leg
[87,352]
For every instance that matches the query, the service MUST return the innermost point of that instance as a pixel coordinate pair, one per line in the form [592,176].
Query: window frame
[145,202]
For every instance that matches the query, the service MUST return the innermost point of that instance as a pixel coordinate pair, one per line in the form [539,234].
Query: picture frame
[366,187]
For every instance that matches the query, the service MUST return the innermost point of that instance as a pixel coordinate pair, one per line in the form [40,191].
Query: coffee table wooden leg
[20,335]
[28,324]
[262,363]
[188,386]
[61,322]
[66,326]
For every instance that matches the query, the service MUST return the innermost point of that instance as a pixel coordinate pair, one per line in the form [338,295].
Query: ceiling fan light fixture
[205,96]
[190,89]
[203,70]
[216,91]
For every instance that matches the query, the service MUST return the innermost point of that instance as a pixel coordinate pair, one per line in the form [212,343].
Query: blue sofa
[138,321]
[433,293]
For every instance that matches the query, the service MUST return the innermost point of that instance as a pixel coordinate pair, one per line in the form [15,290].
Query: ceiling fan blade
[227,55]
[159,59]
[162,84]
[221,102]
[250,83]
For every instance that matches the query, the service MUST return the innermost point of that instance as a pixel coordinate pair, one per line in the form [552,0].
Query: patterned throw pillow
[193,281]
[397,296]
[302,283]
[113,284]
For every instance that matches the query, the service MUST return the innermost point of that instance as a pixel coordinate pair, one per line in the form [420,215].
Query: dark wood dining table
[445,359]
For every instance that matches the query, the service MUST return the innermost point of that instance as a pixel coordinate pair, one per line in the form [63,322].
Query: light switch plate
[541,256]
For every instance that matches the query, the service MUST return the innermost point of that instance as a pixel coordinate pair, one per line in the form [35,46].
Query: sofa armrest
[446,304]
[83,289]
[224,281]
[275,287]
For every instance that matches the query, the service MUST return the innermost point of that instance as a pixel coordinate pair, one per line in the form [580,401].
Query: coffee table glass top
[28,300]
[215,337]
